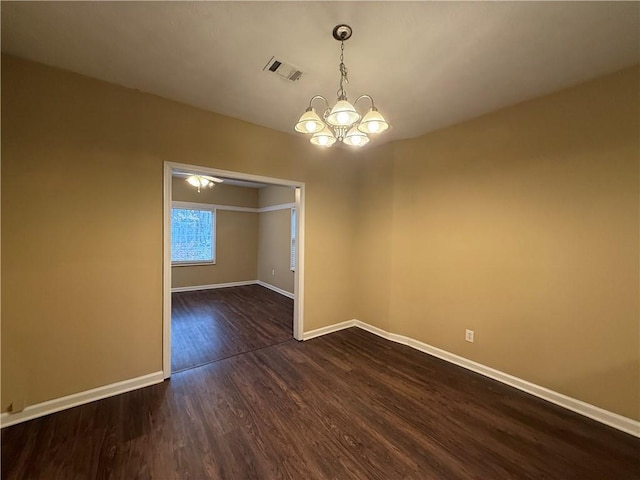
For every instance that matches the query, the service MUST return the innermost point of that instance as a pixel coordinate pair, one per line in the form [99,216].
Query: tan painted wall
[275,195]
[274,248]
[373,238]
[236,236]
[221,194]
[81,271]
[275,238]
[523,226]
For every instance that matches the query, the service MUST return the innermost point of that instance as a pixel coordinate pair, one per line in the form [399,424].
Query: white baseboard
[330,329]
[80,398]
[233,284]
[601,415]
[274,288]
[212,286]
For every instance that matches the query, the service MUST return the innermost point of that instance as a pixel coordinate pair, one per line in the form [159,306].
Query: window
[192,236]
[293,239]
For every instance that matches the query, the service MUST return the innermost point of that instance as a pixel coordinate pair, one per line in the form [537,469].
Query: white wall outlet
[468,335]
[273,271]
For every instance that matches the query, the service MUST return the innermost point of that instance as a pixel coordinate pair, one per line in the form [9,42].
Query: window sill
[191,264]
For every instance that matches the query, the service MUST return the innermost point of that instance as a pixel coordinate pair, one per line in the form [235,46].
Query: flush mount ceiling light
[342,122]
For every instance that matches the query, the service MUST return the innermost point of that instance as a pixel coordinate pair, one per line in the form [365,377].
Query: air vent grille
[283,69]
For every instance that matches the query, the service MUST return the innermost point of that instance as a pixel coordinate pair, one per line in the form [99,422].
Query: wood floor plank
[208,325]
[344,406]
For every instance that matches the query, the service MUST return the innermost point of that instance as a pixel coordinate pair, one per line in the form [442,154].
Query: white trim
[298,274]
[166,272]
[273,208]
[212,286]
[211,206]
[275,289]
[601,415]
[318,332]
[234,175]
[80,398]
[232,208]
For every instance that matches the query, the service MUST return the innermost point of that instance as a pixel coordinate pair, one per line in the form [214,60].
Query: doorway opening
[226,270]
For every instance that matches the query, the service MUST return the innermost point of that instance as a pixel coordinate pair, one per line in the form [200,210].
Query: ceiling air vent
[285,70]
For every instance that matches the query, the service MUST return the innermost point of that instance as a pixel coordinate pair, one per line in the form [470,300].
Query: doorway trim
[298,301]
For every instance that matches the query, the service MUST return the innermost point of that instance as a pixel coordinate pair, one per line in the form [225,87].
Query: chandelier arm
[326,102]
[365,96]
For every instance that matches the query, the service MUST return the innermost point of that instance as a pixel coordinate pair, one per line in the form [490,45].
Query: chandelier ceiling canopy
[342,122]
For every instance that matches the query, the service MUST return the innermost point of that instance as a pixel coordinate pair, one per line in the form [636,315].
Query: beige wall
[276,195]
[82,272]
[373,238]
[221,194]
[523,226]
[236,236]
[274,249]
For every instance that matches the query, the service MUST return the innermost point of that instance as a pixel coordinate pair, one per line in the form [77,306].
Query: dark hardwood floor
[344,406]
[208,325]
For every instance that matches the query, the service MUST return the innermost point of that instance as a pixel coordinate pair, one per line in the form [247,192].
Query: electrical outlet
[468,336]
[273,271]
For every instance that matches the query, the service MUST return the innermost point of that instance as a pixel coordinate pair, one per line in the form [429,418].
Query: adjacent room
[233,262]
[320,240]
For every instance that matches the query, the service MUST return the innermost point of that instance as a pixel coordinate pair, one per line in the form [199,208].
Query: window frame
[293,242]
[214,226]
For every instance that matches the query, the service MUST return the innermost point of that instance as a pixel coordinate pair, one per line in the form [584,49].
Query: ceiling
[427,64]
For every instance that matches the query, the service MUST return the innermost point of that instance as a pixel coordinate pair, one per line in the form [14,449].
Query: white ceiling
[427,64]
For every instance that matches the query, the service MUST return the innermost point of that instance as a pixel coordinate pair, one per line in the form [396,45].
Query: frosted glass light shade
[324,138]
[355,138]
[198,181]
[373,122]
[194,180]
[309,122]
[343,114]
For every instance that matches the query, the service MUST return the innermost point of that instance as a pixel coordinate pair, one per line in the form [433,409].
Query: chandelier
[342,122]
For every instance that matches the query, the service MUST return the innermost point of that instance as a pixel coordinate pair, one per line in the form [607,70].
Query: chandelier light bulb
[193,180]
[343,114]
[373,122]
[309,122]
[355,138]
[325,138]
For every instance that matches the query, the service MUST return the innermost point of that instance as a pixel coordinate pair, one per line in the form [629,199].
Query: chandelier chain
[343,73]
